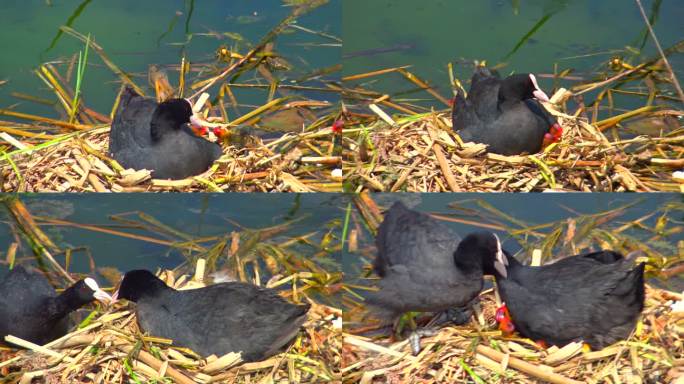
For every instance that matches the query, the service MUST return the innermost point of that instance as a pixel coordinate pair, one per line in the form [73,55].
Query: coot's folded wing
[577,298]
[464,118]
[131,125]
[484,94]
[413,238]
[231,317]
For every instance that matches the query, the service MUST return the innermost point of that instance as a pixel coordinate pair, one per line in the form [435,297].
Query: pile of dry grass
[421,153]
[78,163]
[111,349]
[479,353]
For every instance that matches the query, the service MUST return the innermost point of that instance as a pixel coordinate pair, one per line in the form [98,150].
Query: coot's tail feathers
[289,331]
[300,311]
[605,257]
[482,73]
[463,115]
[127,95]
[396,212]
[458,111]
[632,285]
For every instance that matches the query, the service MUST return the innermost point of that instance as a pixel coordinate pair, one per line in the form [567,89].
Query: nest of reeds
[478,353]
[79,163]
[421,153]
[111,348]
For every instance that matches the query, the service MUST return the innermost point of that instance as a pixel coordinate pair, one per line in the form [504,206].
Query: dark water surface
[201,215]
[197,215]
[571,34]
[135,34]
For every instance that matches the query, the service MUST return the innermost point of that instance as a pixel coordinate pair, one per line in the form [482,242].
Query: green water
[581,35]
[197,215]
[135,34]
[571,34]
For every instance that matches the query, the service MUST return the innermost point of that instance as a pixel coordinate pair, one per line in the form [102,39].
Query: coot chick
[594,297]
[31,309]
[505,114]
[217,319]
[423,266]
[147,135]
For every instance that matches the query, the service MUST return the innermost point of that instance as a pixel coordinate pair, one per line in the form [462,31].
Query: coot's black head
[481,250]
[521,86]
[83,292]
[138,283]
[178,110]
[170,115]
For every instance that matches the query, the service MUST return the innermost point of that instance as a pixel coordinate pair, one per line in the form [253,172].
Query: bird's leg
[456,315]
[461,315]
[416,333]
[414,338]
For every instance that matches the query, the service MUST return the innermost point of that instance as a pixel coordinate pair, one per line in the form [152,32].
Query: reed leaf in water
[80,72]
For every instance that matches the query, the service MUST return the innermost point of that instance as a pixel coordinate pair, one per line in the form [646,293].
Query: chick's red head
[337,126]
[503,317]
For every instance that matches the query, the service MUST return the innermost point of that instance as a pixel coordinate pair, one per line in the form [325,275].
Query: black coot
[31,309]
[505,114]
[594,297]
[423,266]
[147,135]
[217,319]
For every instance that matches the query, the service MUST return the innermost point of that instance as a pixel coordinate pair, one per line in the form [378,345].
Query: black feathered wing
[414,239]
[416,262]
[131,125]
[577,298]
[222,318]
[484,94]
